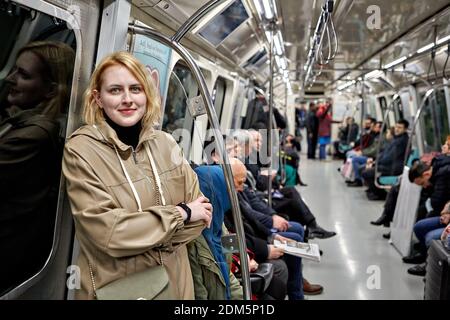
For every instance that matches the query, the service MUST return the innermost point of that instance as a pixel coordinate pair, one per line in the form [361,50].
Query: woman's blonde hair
[57,59]
[92,113]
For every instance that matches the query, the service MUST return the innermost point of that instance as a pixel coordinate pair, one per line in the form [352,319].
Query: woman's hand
[201,210]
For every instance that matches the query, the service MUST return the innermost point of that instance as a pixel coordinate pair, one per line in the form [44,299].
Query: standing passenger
[312,127]
[129,185]
[325,121]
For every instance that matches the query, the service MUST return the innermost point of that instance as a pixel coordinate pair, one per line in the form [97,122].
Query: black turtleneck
[128,135]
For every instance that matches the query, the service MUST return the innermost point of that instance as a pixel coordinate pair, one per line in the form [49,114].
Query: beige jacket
[115,238]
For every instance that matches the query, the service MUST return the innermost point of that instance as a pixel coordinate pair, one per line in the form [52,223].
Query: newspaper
[308,251]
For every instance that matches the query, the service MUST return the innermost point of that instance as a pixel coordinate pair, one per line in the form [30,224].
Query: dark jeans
[277,288]
[427,230]
[391,202]
[294,264]
[293,206]
[312,145]
[369,178]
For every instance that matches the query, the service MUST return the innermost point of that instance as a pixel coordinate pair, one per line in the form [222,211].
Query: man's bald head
[239,173]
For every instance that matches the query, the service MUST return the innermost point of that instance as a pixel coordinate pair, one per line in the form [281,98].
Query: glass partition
[36,68]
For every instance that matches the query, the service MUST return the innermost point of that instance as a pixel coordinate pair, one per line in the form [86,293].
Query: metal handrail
[321,27]
[196,17]
[385,120]
[212,117]
[419,112]
[388,109]
[269,120]
[380,140]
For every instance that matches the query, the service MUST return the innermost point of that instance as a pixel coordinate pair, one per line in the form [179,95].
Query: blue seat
[414,155]
[388,180]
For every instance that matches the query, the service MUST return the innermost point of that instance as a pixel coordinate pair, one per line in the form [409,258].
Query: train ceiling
[405,27]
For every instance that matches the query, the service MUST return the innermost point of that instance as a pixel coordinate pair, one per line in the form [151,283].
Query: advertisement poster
[156,57]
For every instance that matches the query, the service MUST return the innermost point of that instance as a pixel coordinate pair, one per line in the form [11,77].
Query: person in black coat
[258,226]
[390,161]
[437,175]
[312,129]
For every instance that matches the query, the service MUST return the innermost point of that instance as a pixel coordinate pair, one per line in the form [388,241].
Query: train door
[239,104]
[40,72]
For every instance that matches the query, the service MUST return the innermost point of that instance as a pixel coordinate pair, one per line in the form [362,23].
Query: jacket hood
[104,133]
[439,162]
[212,185]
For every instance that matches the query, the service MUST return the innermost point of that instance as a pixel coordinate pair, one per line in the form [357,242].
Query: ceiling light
[258,8]
[278,48]
[373,74]
[440,41]
[269,36]
[344,86]
[268,12]
[395,62]
[425,48]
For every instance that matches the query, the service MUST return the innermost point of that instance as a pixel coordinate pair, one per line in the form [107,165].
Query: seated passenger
[210,271]
[257,243]
[390,161]
[361,157]
[256,209]
[292,163]
[427,230]
[391,200]
[366,140]
[288,200]
[438,176]
[348,134]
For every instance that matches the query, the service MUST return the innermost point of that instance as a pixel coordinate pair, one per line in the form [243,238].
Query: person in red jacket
[325,121]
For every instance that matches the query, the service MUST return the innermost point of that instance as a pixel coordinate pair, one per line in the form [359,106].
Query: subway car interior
[345,105]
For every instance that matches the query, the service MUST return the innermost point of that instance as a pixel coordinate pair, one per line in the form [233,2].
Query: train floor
[358,263]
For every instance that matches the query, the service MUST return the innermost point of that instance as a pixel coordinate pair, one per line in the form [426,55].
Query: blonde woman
[135,200]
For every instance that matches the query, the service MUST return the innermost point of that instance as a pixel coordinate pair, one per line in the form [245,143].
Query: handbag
[260,279]
[149,284]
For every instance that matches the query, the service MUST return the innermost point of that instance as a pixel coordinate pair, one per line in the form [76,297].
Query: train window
[237,109]
[225,23]
[372,110]
[36,60]
[384,106]
[442,126]
[218,96]
[182,86]
[398,110]
[434,121]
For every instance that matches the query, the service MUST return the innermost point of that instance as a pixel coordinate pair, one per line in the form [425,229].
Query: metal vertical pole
[269,120]
[362,113]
